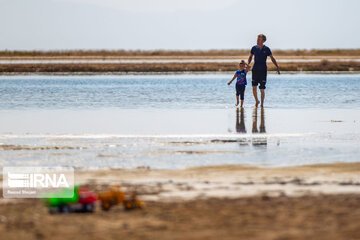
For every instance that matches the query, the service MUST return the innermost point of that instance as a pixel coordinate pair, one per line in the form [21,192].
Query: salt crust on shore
[230,181]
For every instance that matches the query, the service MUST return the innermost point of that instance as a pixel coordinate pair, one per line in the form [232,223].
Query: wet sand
[304,202]
[178,138]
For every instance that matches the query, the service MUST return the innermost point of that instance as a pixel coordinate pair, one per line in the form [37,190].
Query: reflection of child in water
[240,123]
[241,82]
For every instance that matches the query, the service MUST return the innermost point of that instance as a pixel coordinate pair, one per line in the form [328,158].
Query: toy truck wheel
[65,209]
[54,210]
[89,208]
[129,204]
[105,206]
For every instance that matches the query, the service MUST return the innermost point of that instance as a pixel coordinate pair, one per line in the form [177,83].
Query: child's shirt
[241,77]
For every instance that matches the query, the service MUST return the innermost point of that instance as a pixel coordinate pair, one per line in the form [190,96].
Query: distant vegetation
[171,67]
[129,53]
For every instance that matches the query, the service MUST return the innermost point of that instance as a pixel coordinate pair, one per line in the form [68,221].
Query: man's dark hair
[263,37]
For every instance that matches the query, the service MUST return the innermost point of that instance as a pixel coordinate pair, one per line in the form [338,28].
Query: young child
[241,82]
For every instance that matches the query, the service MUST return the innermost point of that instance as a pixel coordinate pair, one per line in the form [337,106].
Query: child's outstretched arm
[231,80]
[248,66]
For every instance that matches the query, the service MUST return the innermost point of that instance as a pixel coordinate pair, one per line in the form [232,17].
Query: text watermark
[37,182]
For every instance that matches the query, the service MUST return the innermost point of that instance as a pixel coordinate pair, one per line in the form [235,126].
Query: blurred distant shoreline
[162,61]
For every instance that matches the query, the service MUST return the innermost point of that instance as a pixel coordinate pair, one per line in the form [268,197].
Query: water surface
[176,121]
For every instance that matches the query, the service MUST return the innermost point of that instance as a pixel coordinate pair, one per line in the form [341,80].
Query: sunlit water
[176,121]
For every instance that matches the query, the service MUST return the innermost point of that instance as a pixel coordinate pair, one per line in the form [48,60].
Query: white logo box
[37,182]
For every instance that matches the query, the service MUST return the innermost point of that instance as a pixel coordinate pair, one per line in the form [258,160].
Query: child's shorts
[240,90]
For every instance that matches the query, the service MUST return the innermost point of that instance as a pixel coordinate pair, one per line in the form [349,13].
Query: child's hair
[262,36]
[242,62]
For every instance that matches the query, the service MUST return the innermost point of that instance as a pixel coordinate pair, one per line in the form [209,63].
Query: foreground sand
[228,202]
[308,217]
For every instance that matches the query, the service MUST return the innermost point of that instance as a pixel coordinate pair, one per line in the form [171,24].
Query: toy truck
[115,196]
[83,200]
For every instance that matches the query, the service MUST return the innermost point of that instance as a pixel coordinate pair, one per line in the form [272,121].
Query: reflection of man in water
[262,121]
[254,126]
[240,123]
[256,141]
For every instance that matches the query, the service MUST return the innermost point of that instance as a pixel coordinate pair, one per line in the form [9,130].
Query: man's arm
[231,80]
[247,67]
[250,58]
[275,63]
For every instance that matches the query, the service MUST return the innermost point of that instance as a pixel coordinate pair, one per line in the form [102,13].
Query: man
[259,70]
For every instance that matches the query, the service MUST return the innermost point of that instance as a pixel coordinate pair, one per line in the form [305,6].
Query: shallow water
[176,121]
[184,91]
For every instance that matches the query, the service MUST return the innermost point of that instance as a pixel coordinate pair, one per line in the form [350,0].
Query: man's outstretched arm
[275,63]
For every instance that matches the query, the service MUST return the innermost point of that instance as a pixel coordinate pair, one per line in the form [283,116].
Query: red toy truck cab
[83,200]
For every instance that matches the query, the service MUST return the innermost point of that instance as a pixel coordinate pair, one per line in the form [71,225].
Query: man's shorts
[259,77]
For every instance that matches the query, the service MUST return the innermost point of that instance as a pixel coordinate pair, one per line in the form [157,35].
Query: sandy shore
[229,202]
[232,181]
[162,67]
[170,62]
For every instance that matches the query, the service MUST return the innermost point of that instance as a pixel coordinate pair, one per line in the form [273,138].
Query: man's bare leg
[242,103]
[255,96]
[262,91]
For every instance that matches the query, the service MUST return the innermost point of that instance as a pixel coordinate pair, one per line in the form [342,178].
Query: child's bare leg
[262,91]
[237,100]
[255,96]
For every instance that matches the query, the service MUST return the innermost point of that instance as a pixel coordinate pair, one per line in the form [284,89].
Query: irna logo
[37,180]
